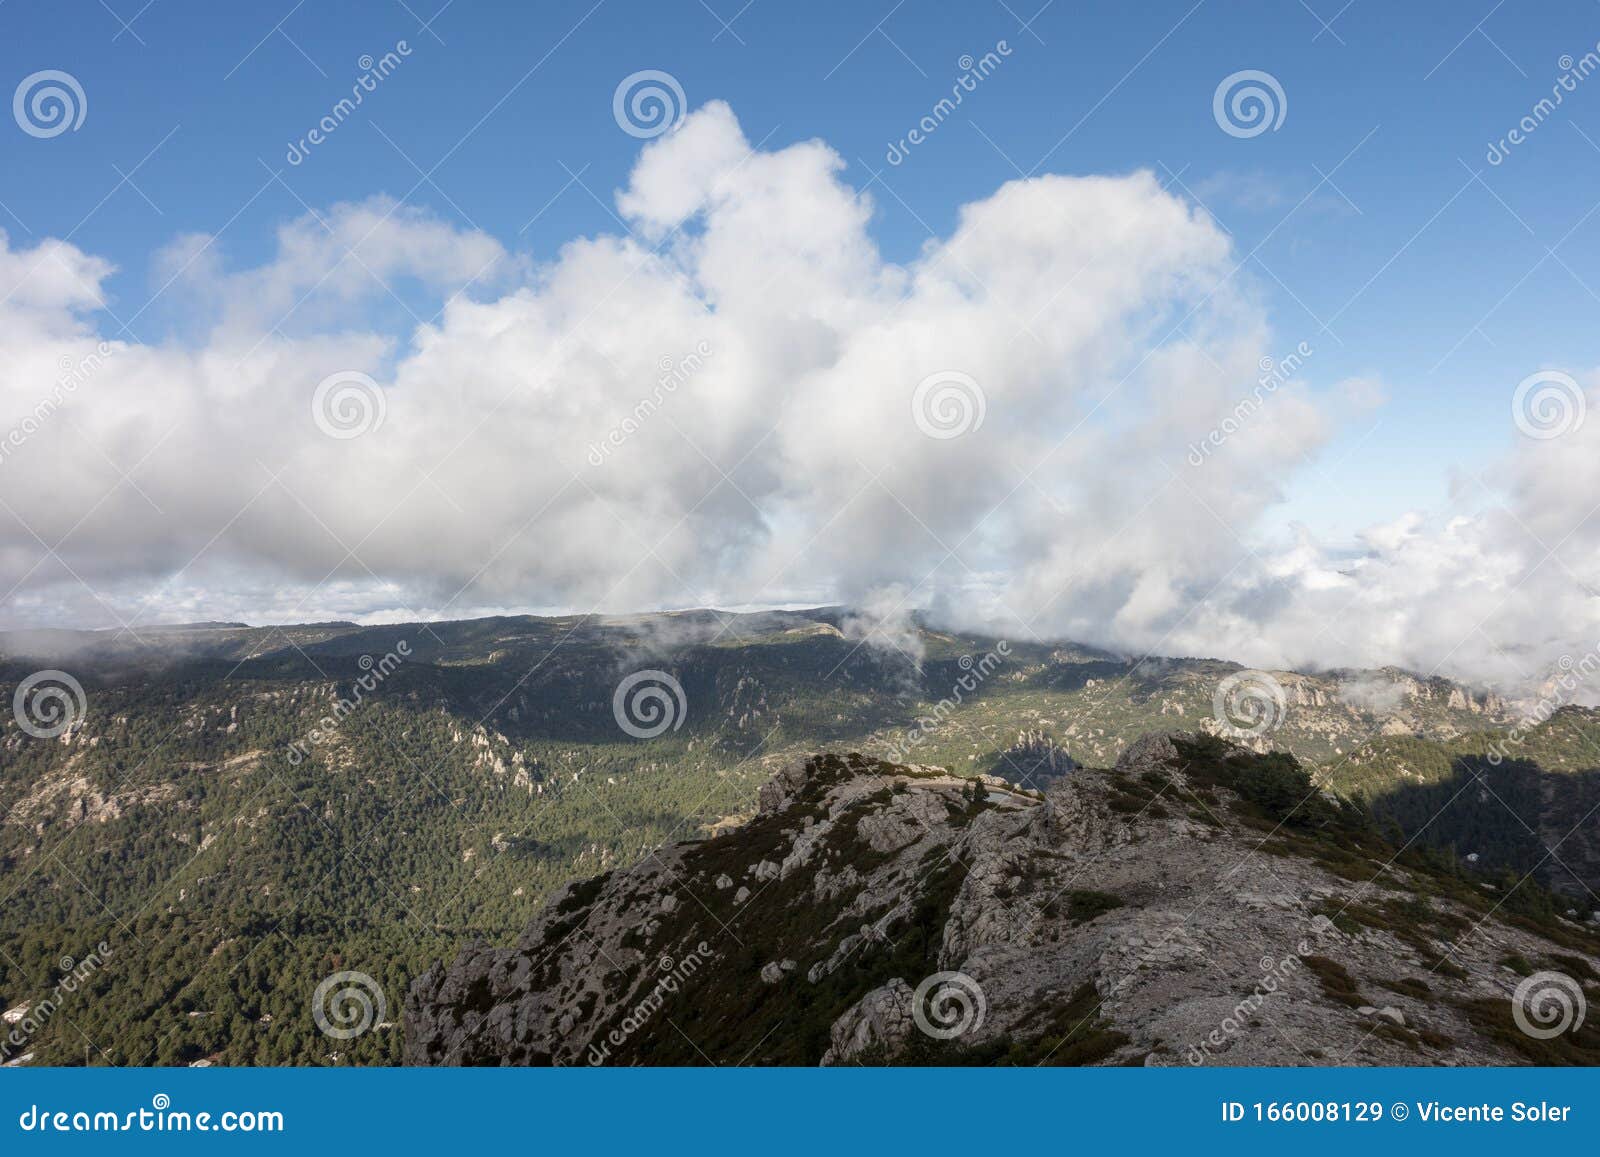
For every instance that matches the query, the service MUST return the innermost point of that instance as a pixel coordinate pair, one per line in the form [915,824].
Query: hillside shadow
[1514,816]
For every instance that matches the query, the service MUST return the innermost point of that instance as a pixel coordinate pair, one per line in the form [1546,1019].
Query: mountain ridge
[1097,922]
[380,816]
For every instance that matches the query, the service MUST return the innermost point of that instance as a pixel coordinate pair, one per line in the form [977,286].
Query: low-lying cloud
[997,432]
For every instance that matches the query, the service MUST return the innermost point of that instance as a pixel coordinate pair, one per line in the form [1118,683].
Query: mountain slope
[1199,903]
[203,819]
[1522,801]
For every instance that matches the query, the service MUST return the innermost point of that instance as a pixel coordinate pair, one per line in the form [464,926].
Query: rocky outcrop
[1197,903]
[1034,759]
[1149,752]
[880,1021]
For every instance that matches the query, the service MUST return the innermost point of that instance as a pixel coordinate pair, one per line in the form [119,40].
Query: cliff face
[1198,903]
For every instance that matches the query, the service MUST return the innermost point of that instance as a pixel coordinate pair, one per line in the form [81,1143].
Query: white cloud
[1103,319]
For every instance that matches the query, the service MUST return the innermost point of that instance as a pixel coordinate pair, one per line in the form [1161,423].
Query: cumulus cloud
[726,404]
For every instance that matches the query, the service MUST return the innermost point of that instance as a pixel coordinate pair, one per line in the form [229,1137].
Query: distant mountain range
[238,813]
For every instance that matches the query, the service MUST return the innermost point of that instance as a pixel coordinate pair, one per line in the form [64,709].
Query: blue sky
[1369,224]
[1399,265]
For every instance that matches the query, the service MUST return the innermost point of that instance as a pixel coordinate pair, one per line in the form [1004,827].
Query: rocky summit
[1197,903]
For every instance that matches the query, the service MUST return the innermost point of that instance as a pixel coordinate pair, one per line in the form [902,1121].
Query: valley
[240,812]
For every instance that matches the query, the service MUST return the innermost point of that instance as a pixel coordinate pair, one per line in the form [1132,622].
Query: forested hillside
[237,814]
